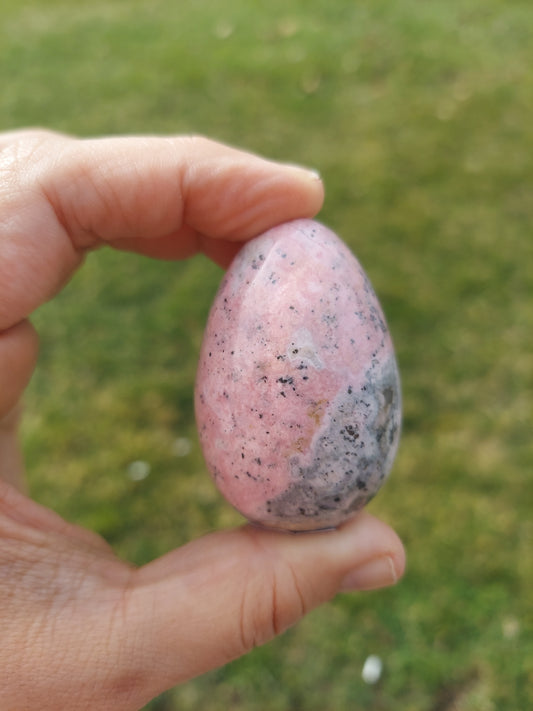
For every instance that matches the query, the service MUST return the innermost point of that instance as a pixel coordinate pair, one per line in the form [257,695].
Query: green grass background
[419,117]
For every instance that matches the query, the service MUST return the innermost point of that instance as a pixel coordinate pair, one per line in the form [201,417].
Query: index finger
[166,197]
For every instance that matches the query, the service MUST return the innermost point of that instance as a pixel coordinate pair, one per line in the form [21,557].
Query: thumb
[216,598]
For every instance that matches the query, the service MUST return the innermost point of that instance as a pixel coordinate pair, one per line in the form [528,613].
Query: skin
[80,628]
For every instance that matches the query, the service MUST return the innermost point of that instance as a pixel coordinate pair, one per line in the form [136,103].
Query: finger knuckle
[269,605]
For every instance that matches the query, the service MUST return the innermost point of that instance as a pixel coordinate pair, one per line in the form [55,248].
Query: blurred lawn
[418,115]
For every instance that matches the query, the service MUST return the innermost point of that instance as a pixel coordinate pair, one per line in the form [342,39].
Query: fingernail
[377,573]
[315,175]
[310,172]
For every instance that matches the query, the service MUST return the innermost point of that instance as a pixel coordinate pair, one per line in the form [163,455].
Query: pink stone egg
[298,399]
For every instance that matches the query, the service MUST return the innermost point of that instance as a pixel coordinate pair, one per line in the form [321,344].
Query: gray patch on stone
[350,459]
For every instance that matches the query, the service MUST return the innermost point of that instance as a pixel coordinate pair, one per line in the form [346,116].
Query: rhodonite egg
[297,398]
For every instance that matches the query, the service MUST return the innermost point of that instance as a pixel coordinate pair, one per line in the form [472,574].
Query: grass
[418,115]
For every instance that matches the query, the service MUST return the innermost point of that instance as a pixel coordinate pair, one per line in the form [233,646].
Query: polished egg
[298,399]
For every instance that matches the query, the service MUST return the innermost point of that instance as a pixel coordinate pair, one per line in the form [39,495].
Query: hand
[79,628]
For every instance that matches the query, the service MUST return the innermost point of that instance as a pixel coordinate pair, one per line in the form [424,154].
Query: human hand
[81,629]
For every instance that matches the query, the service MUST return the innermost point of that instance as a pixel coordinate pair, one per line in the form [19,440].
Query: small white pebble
[138,470]
[181,447]
[372,669]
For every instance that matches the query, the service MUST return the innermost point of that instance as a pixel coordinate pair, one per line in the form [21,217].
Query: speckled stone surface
[298,398]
